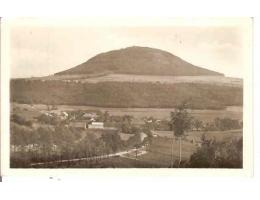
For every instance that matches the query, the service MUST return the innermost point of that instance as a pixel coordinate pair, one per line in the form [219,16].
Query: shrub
[214,154]
[20,120]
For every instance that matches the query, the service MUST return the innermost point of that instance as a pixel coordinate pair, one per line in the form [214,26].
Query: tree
[106,116]
[197,124]
[126,123]
[213,154]
[181,122]
[226,124]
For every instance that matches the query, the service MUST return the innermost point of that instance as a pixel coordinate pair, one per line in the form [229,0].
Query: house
[96,125]
[125,136]
[142,136]
[155,135]
[48,114]
[79,124]
[90,115]
[64,115]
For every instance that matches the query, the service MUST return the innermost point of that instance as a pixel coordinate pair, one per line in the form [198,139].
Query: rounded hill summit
[139,61]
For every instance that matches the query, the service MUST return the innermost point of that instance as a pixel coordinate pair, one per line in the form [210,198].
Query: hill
[138,61]
[125,94]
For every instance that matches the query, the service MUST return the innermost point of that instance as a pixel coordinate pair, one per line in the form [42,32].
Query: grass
[219,135]
[215,80]
[27,111]
[115,162]
[158,156]
[139,113]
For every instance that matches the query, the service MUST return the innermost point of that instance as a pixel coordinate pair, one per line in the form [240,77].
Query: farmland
[196,135]
[234,112]
[96,78]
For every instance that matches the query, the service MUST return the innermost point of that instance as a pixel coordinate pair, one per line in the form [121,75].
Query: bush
[223,124]
[20,120]
[214,154]
[52,120]
[112,141]
[227,124]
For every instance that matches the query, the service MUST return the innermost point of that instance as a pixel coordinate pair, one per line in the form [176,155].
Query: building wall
[96,125]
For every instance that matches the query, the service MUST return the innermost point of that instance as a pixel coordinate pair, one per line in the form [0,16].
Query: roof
[97,123]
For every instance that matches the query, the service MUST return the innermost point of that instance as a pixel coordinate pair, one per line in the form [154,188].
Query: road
[118,154]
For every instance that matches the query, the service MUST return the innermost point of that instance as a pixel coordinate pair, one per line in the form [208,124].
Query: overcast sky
[40,48]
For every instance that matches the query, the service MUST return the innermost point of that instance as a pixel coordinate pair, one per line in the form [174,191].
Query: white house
[96,125]
[142,136]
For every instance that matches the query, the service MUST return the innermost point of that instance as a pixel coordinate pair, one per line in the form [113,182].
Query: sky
[43,47]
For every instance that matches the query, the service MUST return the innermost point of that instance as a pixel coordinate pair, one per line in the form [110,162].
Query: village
[49,135]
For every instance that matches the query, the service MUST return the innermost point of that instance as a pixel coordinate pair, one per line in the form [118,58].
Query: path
[118,154]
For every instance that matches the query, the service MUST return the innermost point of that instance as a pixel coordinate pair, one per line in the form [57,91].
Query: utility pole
[135,153]
[172,150]
[179,151]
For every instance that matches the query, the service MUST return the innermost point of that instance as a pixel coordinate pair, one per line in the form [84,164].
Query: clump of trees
[47,143]
[213,154]
[197,124]
[227,124]
[219,124]
[51,120]
[223,124]
[112,142]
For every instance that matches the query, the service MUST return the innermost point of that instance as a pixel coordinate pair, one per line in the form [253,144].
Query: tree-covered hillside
[125,94]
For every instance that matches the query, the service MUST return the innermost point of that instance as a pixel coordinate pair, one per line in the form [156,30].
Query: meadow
[139,113]
[96,78]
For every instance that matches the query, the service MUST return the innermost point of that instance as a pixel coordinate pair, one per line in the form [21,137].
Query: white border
[5,110]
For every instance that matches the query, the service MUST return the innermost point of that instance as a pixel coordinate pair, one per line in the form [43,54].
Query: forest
[125,94]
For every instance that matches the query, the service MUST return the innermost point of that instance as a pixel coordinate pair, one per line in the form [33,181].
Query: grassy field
[159,156]
[115,162]
[137,113]
[215,80]
[160,151]
[196,135]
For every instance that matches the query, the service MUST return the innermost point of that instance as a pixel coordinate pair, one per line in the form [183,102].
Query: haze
[41,49]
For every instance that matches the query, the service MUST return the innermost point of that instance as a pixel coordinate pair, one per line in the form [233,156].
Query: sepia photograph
[120,93]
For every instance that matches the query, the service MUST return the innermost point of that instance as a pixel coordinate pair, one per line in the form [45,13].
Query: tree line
[125,94]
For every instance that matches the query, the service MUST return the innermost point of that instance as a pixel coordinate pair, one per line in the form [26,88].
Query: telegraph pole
[135,153]
[172,150]
[179,151]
